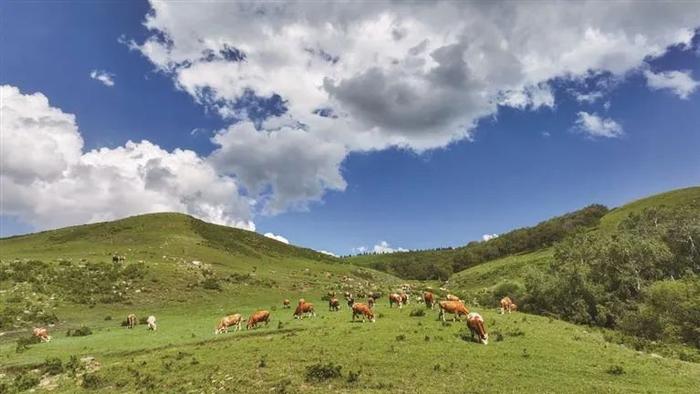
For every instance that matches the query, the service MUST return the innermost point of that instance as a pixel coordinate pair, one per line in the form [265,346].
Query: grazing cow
[360,309]
[286,304]
[376,295]
[370,302]
[404,298]
[258,317]
[131,321]
[228,321]
[41,333]
[304,308]
[151,321]
[350,299]
[476,326]
[456,308]
[115,259]
[429,299]
[395,299]
[333,304]
[507,305]
[452,297]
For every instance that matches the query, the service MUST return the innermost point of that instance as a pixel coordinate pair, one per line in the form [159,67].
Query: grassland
[398,353]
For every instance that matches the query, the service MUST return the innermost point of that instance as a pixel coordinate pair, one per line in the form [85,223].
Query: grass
[490,274]
[404,351]
[534,354]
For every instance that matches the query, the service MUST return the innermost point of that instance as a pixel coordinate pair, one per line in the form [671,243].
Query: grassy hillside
[189,273]
[674,198]
[439,264]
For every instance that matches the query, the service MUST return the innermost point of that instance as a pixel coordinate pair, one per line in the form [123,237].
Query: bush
[24,342]
[25,381]
[79,332]
[417,312]
[211,284]
[91,381]
[318,373]
[615,370]
[52,366]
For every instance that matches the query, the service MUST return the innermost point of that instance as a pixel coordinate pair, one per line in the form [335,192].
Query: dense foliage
[441,263]
[642,279]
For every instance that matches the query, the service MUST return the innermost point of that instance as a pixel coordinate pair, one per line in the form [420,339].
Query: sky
[344,127]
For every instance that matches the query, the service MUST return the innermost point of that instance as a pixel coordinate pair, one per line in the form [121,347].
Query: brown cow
[452,297]
[258,317]
[476,326]
[370,302]
[456,308]
[395,298]
[228,321]
[41,333]
[429,299]
[507,305]
[131,321]
[404,298]
[333,304]
[286,304]
[360,309]
[304,308]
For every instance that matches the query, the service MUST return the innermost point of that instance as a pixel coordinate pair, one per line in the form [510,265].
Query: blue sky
[371,179]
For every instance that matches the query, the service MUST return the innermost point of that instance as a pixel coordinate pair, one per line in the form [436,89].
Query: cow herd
[451,304]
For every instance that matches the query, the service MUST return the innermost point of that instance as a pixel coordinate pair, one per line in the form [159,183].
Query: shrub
[417,312]
[79,332]
[400,338]
[211,284]
[24,342]
[317,373]
[25,381]
[615,370]
[353,376]
[52,366]
[91,381]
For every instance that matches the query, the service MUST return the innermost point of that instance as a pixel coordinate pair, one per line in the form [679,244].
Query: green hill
[190,273]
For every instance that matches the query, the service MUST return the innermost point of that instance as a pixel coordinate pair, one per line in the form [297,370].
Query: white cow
[151,321]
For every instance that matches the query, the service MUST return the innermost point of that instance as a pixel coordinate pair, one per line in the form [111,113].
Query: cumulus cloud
[277,237]
[414,75]
[381,248]
[595,126]
[49,181]
[487,237]
[681,83]
[106,78]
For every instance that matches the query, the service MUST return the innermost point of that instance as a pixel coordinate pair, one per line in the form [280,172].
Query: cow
[151,321]
[476,326]
[452,297]
[370,302]
[395,298]
[360,309]
[304,308]
[131,321]
[507,305]
[229,321]
[350,299]
[404,298]
[41,333]
[258,317]
[286,304]
[429,299]
[376,295]
[333,304]
[456,308]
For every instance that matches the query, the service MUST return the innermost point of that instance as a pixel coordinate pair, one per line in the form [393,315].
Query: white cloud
[277,237]
[106,78]
[328,253]
[681,83]
[487,237]
[594,126]
[414,75]
[384,247]
[49,181]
